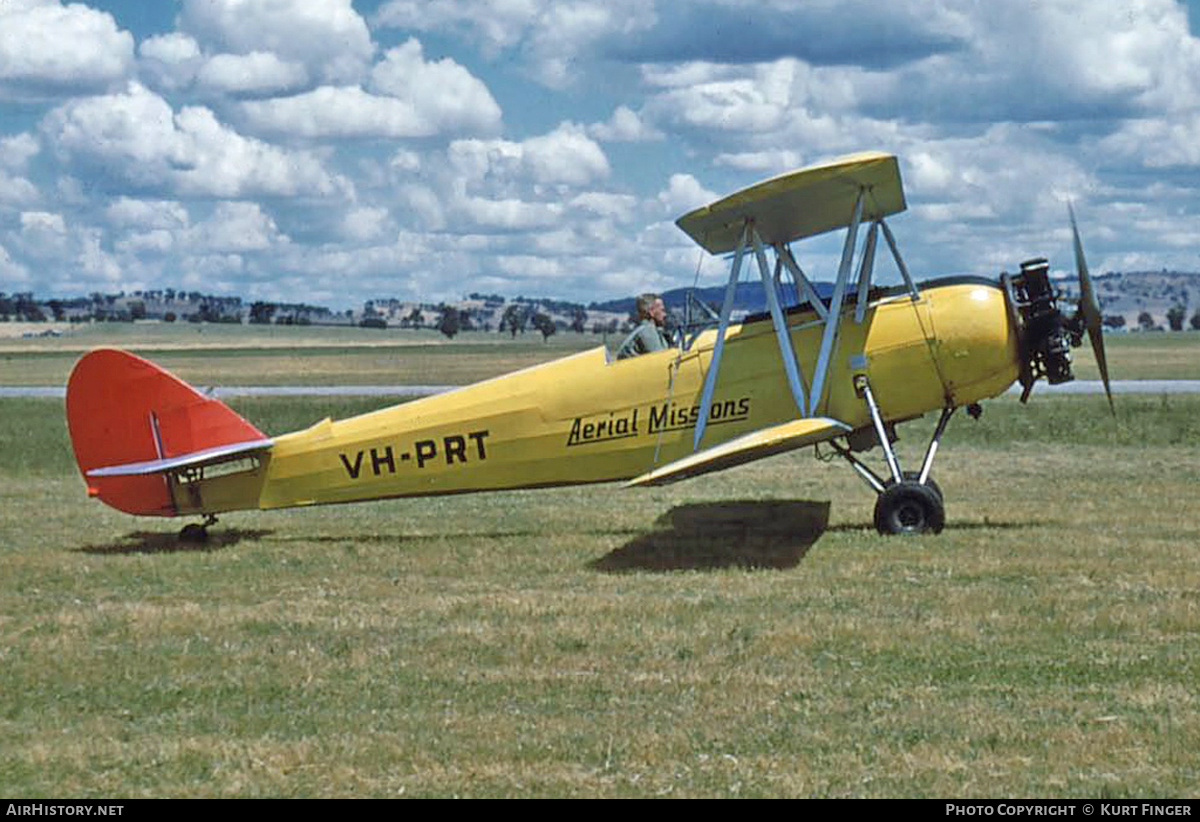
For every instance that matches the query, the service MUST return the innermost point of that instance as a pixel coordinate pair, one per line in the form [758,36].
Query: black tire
[913,476]
[909,509]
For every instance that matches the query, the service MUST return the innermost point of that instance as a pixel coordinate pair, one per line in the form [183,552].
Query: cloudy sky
[333,151]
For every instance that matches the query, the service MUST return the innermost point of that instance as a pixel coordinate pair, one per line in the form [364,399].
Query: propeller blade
[1090,309]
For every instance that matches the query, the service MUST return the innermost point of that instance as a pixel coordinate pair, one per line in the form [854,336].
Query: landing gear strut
[196,532]
[909,502]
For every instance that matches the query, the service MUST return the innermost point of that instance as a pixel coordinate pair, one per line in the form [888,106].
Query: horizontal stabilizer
[208,456]
[801,203]
[747,448]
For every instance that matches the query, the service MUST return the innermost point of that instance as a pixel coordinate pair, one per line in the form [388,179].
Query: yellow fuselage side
[585,418]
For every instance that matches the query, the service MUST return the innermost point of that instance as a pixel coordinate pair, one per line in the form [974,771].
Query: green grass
[270,355]
[1150,356]
[561,643]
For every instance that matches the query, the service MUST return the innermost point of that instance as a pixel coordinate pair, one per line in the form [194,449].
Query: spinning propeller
[1047,333]
[1088,314]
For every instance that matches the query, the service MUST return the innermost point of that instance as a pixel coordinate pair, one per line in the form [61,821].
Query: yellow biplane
[842,369]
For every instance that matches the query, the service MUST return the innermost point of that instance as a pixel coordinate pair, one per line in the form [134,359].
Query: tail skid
[132,422]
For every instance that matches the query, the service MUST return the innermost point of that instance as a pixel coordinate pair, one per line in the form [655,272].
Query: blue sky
[332,152]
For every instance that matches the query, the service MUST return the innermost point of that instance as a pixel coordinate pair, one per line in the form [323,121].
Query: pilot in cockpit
[649,335]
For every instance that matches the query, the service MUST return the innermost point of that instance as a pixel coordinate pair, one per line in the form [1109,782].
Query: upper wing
[801,203]
[746,448]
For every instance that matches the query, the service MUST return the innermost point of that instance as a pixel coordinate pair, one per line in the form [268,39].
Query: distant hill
[1126,298]
[1129,294]
[749,297]
[1124,294]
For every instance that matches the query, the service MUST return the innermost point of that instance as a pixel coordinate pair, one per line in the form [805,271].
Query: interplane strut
[749,240]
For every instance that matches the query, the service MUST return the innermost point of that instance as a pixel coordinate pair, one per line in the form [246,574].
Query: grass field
[273,355]
[281,355]
[746,634]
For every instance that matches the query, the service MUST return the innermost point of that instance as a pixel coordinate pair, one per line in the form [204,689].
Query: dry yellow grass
[600,642]
[532,644]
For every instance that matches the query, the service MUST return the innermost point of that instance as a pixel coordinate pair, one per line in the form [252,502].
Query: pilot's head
[650,307]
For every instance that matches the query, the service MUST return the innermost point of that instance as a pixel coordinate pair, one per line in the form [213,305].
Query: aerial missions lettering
[614,427]
[668,417]
[663,417]
[454,450]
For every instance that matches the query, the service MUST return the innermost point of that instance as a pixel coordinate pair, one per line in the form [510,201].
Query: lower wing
[756,445]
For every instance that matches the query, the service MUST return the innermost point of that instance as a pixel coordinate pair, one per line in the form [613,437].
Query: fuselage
[591,418]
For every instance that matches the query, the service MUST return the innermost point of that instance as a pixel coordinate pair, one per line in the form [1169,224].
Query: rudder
[124,409]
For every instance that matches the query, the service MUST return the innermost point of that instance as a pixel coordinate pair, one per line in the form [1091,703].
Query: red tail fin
[123,409]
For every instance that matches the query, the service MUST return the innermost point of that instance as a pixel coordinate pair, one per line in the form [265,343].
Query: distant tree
[415,318]
[209,312]
[169,317]
[27,309]
[1196,321]
[514,319]
[56,308]
[1114,321]
[578,320]
[1175,317]
[260,313]
[1145,321]
[373,322]
[137,310]
[450,322]
[544,324]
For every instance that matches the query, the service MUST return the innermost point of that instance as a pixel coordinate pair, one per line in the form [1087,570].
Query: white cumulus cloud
[135,139]
[406,97]
[127,212]
[683,194]
[255,73]
[170,61]
[565,156]
[49,49]
[13,275]
[625,126]
[234,228]
[327,36]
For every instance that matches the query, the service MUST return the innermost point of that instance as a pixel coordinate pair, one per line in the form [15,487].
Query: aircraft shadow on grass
[151,542]
[733,534]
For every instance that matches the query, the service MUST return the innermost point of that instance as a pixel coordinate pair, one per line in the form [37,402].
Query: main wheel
[909,508]
[912,476]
